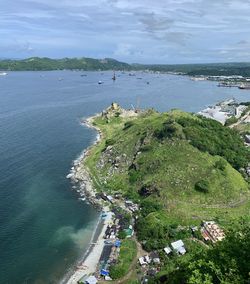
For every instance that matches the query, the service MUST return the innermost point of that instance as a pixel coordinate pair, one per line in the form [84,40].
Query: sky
[134,31]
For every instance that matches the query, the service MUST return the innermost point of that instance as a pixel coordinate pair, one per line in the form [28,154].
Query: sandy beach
[89,264]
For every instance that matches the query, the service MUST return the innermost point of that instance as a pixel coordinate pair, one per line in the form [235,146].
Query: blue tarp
[117,243]
[104,272]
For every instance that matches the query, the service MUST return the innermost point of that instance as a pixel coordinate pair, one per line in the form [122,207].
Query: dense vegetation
[227,262]
[212,69]
[210,136]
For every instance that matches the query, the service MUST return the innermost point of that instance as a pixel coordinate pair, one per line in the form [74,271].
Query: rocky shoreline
[79,175]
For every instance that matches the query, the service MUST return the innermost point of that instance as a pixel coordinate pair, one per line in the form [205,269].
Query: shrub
[169,129]
[221,164]
[128,124]
[210,136]
[109,142]
[202,186]
[150,205]
[231,121]
[133,176]
[122,234]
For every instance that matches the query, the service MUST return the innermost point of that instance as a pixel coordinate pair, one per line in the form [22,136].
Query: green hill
[91,64]
[46,64]
[181,168]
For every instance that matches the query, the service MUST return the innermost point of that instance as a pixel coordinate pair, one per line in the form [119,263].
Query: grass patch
[127,255]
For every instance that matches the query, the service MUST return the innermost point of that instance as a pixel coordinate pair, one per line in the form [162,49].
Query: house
[167,250]
[179,247]
[212,232]
[129,232]
[144,260]
[131,205]
[109,198]
[87,280]
[154,256]
[194,229]
[247,138]
[91,280]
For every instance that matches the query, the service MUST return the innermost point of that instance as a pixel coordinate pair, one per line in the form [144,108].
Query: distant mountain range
[91,64]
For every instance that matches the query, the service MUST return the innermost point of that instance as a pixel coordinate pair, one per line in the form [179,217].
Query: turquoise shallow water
[43,226]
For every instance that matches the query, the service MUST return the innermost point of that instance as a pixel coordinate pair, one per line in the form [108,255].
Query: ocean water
[44,228]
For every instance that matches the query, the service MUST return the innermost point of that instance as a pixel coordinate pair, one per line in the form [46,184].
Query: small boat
[3,73]
[244,87]
[100,82]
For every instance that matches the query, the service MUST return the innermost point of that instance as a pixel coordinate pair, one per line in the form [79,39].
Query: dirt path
[231,204]
[241,119]
[199,241]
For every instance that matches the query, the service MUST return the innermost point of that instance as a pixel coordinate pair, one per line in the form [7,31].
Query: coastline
[83,184]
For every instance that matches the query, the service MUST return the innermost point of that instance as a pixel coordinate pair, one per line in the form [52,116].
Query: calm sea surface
[44,228]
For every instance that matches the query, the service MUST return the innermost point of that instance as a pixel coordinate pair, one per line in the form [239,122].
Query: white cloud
[139,30]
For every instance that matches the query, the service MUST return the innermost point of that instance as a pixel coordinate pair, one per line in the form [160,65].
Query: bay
[44,228]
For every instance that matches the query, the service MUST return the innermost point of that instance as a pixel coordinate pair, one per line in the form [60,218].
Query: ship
[3,73]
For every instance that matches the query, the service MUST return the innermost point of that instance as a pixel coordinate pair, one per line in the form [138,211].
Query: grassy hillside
[180,168]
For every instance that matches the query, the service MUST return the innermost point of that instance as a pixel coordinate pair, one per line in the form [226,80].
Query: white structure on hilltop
[179,247]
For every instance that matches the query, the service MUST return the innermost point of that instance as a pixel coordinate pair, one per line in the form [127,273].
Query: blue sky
[144,31]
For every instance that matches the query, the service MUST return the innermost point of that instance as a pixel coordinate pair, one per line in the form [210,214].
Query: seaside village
[118,218]
[149,264]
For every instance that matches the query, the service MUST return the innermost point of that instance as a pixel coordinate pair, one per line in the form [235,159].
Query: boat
[100,82]
[244,87]
[3,73]
[114,78]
